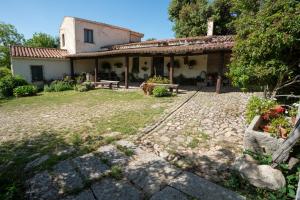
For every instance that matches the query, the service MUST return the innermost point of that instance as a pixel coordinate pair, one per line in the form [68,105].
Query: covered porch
[190,64]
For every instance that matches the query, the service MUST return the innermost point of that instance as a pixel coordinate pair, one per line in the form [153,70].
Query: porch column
[171,68]
[96,69]
[220,73]
[72,67]
[152,66]
[126,71]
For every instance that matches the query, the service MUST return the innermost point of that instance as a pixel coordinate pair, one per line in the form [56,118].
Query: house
[110,52]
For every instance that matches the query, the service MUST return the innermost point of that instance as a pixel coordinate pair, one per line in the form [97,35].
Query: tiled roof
[172,46]
[22,51]
[175,42]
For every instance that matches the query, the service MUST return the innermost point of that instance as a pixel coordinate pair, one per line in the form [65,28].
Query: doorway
[158,66]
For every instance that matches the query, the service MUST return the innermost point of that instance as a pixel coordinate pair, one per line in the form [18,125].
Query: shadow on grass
[14,156]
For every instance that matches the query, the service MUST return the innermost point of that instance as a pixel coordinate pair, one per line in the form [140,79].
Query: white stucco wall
[68,29]
[52,68]
[102,35]
[201,65]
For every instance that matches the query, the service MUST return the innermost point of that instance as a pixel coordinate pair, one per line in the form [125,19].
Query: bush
[158,79]
[25,90]
[4,71]
[8,83]
[84,87]
[57,86]
[257,106]
[161,92]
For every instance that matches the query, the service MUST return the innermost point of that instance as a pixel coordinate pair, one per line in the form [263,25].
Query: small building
[110,52]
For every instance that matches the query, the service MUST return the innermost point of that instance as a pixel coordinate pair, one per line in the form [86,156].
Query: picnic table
[108,83]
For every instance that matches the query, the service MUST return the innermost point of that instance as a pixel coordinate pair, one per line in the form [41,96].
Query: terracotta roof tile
[173,46]
[32,52]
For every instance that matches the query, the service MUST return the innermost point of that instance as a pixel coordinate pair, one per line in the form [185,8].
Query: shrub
[25,90]
[57,86]
[86,86]
[257,106]
[161,92]
[8,83]
[4,71]
[158,79]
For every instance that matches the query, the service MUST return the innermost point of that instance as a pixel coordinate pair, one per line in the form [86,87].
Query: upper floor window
[63,40]
[88,36]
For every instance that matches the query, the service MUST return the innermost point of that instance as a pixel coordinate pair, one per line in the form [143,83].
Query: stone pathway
[205,135]
[145,176]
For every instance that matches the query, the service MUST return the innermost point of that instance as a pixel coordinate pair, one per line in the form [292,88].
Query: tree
[8,36]
[267,45]
[151,39]
[190,17]
[42,40]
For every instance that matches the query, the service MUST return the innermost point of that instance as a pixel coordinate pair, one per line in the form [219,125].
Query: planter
[260,142]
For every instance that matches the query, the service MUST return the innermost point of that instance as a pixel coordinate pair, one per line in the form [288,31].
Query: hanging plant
[119,65]
[192,62]
[106,66]
[176,64]
[144,68]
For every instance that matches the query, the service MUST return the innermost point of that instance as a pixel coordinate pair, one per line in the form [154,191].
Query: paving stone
[169,193]
[200,188]
[90,166]
[66,177]
[150,172]
[109,189]
[85,195]
[41,187]
[36,162]
[114,156]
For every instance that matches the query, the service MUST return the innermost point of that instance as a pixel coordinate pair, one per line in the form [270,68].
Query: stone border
[258,141]
[152,127]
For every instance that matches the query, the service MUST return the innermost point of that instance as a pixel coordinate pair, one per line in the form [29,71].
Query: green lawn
[50,122]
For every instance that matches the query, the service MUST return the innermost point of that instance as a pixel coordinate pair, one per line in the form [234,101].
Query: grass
[194,143]
[127,151]
[116,172]
[128,112]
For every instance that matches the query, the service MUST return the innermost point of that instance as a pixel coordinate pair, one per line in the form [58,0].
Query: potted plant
[145,68]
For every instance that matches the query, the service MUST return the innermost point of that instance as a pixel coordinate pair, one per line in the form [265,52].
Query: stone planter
[260,142]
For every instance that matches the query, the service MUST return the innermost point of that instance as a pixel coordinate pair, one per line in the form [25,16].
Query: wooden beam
[220,74]
[72,67]
[152,66]
[171,68]
[96,69]
[126,71]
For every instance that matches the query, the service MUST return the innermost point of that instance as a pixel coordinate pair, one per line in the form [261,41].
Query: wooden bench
[108,83]
[171,87]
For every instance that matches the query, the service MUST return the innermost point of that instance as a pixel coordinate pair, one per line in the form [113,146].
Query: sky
[146,16]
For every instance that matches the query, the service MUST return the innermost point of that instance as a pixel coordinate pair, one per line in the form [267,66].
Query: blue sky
[147,16]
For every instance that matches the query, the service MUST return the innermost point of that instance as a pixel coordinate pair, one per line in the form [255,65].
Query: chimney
[210,27]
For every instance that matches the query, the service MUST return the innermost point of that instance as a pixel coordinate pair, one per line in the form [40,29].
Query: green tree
[267,44]
[8,36]
[43,40]
[190,17]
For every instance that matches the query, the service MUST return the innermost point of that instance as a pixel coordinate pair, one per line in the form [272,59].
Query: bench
[171,87]
[108,83]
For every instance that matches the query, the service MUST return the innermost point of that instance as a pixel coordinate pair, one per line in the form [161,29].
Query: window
[135,65]
[88,36]
[63,39]
[37,73]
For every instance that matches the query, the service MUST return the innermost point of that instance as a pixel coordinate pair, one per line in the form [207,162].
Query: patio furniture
[108,83]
